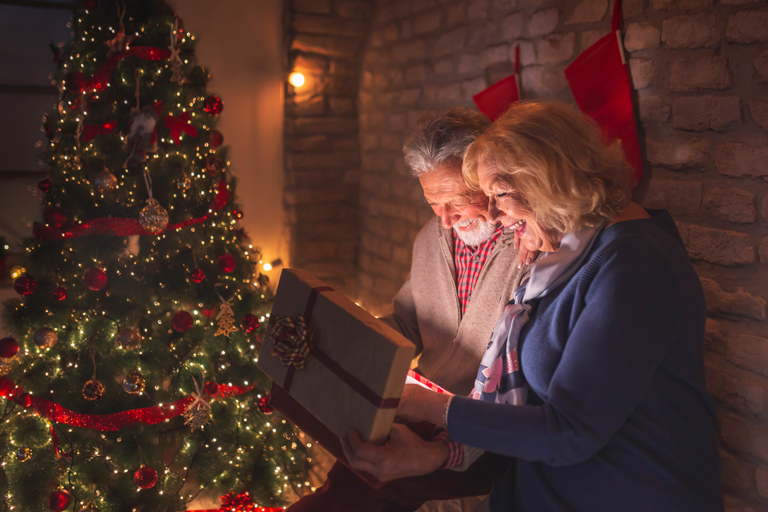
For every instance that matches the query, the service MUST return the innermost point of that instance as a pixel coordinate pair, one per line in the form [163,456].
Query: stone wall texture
[699,69]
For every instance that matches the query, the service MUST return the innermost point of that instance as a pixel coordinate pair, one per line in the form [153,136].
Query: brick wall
[325,39]
[700,73]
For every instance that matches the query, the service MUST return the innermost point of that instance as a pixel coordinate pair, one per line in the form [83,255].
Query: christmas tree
[130,380]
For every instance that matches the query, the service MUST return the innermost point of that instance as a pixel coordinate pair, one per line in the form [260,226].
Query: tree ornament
[197,276]
[211,388]
[153,216]
[59,293]
[182,321]
[142,136]
[213,105]
[105,181]
[45,185]
[93,390]
[23,399]
[6,386]
[227,263]
[8,347]
[177,66]
[95,279]
[198,413]
[250,323]
[55,217]
[225,318]
[184,182]
[45,337]
[128,337]
[24,453]
[134,383]
[145,477]
[213,165]
[59,501]
[25,284]
[265,406]
[237,214]
[216,139]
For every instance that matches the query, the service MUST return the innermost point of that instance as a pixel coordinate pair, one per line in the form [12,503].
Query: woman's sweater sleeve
[622,325]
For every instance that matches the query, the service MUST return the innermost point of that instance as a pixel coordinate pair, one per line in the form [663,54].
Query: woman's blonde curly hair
[558,161]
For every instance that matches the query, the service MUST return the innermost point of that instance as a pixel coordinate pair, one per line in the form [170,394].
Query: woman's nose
[493,212]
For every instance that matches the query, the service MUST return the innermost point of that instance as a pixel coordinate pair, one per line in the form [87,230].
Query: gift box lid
[355,372]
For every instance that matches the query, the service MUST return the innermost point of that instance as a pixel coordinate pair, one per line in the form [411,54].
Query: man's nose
[448,217]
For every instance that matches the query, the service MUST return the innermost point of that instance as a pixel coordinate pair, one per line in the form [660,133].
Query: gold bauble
[23,454]
[105,181]
[134,383]
[128,338]
[153,217]
[93,390]
[184,182]
[45,337]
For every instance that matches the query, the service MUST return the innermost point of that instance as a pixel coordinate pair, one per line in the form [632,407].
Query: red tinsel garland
[101,78]
[122,226]
[90,131]
[124,419]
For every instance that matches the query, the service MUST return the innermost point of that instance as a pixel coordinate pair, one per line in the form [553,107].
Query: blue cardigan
[618,418]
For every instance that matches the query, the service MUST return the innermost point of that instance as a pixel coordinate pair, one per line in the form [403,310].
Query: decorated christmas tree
[130,380]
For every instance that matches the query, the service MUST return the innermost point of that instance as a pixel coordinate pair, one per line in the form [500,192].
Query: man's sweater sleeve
[403,317]
[615,345]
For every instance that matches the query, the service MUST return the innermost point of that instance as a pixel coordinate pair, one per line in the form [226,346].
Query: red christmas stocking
[496,99]
[600,83]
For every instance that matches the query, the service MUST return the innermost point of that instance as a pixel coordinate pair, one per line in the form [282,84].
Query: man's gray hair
[441,140]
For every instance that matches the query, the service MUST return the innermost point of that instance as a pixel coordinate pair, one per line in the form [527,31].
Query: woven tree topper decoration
[225,318]
[198,413]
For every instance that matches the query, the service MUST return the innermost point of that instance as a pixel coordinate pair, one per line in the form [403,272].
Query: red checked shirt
[469,261]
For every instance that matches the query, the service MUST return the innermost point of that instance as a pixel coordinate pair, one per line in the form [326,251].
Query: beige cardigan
[426,309]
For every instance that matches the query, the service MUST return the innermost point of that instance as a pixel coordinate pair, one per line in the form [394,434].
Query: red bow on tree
[179,124]
[90,131]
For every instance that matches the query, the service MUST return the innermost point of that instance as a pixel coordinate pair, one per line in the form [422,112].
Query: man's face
[456,205]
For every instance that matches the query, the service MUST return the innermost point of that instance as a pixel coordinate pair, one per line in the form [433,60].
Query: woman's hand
[404,454]
[525,256]
[420,404]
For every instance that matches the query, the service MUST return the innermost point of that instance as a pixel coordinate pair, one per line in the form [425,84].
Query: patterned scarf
[499,378]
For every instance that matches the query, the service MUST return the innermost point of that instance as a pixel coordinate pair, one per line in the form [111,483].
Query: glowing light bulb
[296,79]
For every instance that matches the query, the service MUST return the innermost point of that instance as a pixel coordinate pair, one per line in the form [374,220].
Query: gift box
[341,365]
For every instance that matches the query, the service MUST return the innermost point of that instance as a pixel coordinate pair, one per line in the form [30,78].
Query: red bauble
[59,293]
[75,81]
[217,139]
[237,214]
[213,105]
[145,477]
[197,276]
[6,387]
[95,279]
[45,185]
[182,321]
[250,323]
[23,399]
[265,406]
[25,284]
[211,388]
[227,263]
[60,500]
[8,347]
[55,217]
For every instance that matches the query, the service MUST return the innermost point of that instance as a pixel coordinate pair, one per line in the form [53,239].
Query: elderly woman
[607,336]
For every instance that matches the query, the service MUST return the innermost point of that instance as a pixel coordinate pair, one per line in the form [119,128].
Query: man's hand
[420,404]
[404,454]
[524,256]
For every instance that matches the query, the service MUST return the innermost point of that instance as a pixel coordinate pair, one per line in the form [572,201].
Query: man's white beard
[480,232]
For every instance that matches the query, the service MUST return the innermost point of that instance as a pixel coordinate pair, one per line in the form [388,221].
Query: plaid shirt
[469,261]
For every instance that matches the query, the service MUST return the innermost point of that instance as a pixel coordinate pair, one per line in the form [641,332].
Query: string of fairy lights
[86,322]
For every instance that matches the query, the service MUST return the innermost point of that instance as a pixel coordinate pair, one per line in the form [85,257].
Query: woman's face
[505,205]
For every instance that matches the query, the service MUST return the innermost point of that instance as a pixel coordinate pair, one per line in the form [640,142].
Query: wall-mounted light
[296,79]
[274,263]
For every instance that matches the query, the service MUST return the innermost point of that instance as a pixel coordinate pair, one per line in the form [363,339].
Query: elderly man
[464,271]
